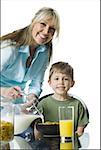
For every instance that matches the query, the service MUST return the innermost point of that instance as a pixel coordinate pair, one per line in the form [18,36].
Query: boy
[61,80]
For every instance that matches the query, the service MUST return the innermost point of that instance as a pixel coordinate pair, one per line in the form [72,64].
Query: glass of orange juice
[66,126]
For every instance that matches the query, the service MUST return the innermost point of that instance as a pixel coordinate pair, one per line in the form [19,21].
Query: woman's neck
[32,49]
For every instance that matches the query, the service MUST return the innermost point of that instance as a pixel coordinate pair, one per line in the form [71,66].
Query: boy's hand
[80,131]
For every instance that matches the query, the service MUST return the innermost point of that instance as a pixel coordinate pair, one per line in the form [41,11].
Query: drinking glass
[66,126]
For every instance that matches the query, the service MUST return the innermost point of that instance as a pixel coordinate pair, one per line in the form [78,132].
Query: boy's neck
[60,97]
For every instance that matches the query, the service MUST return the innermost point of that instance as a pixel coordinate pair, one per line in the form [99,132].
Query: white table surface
[19,143]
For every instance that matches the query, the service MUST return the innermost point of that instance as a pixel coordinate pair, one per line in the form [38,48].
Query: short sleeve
[83,115]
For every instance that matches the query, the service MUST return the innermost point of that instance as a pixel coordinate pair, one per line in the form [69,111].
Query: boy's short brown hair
[62,67]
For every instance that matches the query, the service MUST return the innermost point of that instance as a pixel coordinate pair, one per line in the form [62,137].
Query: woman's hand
[37,134]
[31,99]
[26,106]
[11,92]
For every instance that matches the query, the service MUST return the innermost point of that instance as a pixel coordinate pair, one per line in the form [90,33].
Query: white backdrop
[78,44]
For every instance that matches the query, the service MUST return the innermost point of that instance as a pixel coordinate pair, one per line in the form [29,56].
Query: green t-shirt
[49,106]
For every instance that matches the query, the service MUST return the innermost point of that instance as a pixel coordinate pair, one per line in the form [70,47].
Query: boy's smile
[60,83]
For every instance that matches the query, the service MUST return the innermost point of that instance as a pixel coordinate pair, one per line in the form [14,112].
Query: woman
[25,55]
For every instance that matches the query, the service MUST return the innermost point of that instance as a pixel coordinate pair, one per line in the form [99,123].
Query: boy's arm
[80,131]
[83,119]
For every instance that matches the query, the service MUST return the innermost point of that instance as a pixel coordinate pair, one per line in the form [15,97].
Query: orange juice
[66,128]
[66,146]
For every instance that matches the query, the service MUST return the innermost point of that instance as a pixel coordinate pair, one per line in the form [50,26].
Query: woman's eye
[52,30]
[43,24]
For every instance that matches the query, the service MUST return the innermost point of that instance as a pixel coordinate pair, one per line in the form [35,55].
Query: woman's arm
[37,134]
[7,52]
[35,86]
[37,71]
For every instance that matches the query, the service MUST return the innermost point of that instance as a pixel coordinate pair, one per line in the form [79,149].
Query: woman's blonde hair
[24,36]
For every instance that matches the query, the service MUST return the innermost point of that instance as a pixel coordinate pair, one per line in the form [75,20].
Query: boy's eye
[66,79]
[56,78]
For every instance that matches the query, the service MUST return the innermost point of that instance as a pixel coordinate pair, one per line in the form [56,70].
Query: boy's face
[60,83]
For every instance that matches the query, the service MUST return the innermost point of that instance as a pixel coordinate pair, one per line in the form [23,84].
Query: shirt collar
[25,49]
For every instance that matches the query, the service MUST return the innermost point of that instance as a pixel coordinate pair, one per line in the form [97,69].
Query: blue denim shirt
[13,67]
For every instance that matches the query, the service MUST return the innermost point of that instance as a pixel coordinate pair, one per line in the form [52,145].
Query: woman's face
[43,31]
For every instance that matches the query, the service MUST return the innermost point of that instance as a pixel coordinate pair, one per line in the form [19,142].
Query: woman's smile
[43,31]
[41,38]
